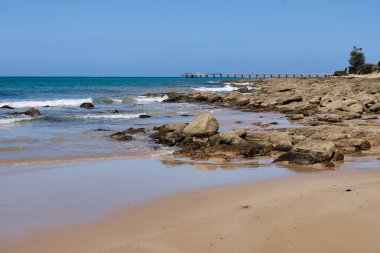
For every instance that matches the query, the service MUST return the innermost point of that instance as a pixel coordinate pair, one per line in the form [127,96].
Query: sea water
[65,130]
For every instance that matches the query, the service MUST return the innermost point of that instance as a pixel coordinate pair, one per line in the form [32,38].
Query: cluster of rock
[348,98]
[200,139]
[32,112]
[127,135]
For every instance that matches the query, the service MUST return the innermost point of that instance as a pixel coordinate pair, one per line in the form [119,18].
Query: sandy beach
[325,212]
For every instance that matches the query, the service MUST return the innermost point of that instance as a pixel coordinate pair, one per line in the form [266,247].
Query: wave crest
[52,103]
[226,88]
[146,99]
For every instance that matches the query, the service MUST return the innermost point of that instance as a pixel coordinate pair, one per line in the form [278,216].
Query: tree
[357,59]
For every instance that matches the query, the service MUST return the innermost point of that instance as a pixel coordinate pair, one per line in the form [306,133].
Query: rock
[355,108]
[284,146]
[242,101]
[331,118]
[372,117]
[32,112]
[333,106]
[298,138]
[7,107]
[114,111]
[290,100]
[262,124]
[311,152]
[229,138]
[203,126]
[350,115]
[296,117]
[144,116]
[247,149]
[87,105]
[315,100]
[360,144]
[171,127]
[168,138]
[101,130]
[121,136]
[375,108]
[132,130]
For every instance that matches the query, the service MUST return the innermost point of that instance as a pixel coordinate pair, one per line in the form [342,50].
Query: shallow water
[41,196]
[65,130]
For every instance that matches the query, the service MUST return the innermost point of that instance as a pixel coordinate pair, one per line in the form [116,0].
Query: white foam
[110,116]
[217,89]
[145,99]
[8,121]
[52,103]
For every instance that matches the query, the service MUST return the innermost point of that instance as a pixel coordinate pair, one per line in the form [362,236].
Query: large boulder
[311,152]
[203,126]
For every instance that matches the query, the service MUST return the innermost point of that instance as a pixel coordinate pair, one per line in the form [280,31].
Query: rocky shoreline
[338,117]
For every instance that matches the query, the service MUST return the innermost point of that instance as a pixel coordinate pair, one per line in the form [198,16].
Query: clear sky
[168,37]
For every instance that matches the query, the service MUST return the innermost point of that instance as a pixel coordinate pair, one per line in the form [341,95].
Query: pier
[255,75]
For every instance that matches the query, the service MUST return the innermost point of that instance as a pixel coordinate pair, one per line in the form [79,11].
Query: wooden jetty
[255,75]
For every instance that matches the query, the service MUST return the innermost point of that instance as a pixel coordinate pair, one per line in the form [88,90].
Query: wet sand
[35,197]
[332,211]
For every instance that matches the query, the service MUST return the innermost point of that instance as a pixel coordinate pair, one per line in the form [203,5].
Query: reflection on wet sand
[212,165]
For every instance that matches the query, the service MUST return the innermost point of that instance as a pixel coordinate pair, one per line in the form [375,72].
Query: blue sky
[168,37]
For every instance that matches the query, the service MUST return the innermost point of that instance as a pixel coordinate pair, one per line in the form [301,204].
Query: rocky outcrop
[7,107]
[87,105]
[199,140]
[203,126]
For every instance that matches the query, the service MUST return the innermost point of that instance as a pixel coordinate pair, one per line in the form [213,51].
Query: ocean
[66,131]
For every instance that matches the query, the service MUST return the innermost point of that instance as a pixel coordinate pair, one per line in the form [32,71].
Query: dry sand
[307,213]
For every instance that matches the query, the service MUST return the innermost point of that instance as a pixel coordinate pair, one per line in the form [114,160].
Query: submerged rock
[121,136]
[32,112]
[7,107]
[144,116]
[132,130]
[87,105]
[203,126]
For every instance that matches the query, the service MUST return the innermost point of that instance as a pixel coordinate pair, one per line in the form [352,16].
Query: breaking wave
[42,103]
[145,99]
[217,89]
